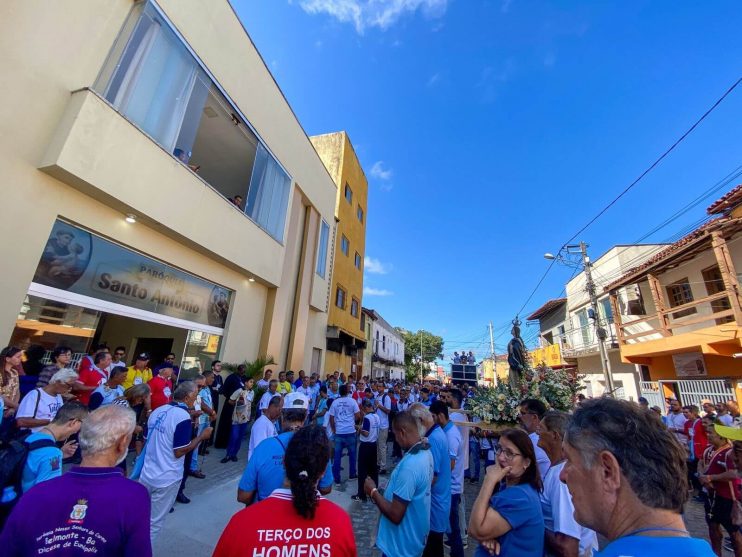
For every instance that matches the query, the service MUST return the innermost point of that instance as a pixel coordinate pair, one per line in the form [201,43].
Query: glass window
[358,261]
[340,298]
[354,307]
[348,194]
[680,293]
[153,80]
[606,310]
[345,245]
[359,214]
[201,349]
[324,235]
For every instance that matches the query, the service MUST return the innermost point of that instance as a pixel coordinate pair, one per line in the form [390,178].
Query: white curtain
[268,196]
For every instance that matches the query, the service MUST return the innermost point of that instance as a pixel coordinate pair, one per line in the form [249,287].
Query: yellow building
[345,334]
[159,192]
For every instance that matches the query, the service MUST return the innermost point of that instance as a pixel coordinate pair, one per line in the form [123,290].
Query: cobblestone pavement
[214,502]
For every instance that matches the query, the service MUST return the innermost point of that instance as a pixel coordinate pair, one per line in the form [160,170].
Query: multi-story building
[345,335]
[163,193]
[384,355]
[678,314]
[569,323]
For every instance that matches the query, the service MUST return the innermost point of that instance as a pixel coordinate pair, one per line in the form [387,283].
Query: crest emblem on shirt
[54,463]
[78,512]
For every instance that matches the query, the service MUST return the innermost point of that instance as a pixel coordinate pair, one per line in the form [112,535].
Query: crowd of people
[551,486]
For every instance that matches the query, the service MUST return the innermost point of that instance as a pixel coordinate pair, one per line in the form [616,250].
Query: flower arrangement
[557,388]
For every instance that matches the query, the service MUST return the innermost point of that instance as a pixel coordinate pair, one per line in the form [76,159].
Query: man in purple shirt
[92,509]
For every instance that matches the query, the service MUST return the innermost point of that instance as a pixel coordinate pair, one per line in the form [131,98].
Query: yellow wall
[336,151]
[96,166]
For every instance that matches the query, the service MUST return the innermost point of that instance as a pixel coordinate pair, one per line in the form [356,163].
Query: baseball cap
[295,401]
[644,400]
[143,356]
[733,433]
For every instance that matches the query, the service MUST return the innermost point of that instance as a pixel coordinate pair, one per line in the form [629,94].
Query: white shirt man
[40,405]
[263,428]
[343,412]
[558,510]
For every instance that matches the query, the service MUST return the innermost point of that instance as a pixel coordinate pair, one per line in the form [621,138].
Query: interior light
[131,219]
[251,279]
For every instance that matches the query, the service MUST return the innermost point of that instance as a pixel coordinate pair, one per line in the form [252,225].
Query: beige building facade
[160,193]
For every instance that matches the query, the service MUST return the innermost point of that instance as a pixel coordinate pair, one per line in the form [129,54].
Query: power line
[632,184]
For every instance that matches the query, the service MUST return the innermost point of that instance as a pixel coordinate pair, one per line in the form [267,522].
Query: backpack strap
[40,444]
[38,400]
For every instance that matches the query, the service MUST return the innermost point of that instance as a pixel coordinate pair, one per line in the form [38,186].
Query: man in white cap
[264,472]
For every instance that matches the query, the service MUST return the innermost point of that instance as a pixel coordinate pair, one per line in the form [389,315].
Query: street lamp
[600,333]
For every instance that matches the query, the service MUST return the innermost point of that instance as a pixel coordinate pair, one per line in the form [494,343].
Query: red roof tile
[546,308]
[727,201]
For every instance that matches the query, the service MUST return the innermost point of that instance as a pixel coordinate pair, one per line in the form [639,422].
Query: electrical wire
[632,185]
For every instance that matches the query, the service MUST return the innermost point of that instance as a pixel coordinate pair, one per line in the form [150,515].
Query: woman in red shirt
[298,517]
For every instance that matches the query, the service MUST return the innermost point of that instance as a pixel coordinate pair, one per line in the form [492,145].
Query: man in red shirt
[93,376]
[697,444]
[162,387]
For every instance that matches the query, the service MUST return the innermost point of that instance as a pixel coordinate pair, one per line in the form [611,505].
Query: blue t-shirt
[440,496]
[410,482]
[645,546]
[265,471]
[41,464]
[320,407]
[521,507]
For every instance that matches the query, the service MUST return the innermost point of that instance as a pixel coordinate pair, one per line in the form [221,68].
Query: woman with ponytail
[296,516]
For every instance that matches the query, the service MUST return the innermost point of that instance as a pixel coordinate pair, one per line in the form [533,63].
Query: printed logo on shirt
[137,380]
[167,392]
[54,463]
[78,512]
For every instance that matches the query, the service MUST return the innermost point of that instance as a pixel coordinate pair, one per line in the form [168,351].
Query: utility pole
[492,344]
[422,377]
[599,331]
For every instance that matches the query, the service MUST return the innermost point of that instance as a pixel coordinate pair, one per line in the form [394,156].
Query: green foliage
[557,388]
[432,348]
[254,369]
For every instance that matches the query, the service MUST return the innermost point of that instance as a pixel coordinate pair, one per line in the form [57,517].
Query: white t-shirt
[386,401]
[266,399]
[372,427]
[456,450]
[542,460]
[48,406]
[556,504]
[261,429]
[459,416]
[344,411]
[678,421]
[168,428]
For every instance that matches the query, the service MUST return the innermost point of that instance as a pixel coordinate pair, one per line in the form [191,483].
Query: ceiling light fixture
[251,279]
[131,219]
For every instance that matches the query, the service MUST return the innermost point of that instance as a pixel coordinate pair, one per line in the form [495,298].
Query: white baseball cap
[295,401]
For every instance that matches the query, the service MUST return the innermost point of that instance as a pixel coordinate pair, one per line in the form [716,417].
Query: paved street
[192,530]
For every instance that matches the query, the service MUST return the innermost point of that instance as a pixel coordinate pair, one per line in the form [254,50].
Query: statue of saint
[516,356]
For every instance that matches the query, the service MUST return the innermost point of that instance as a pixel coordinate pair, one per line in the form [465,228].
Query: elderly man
[265,471]
[563,536]
[168,441]
[93,505]
[626,475]
[38,407]
[405,503]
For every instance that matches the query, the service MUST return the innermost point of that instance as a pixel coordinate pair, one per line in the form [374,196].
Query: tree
[432,349]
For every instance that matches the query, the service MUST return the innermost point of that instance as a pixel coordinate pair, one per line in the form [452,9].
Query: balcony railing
[706,312]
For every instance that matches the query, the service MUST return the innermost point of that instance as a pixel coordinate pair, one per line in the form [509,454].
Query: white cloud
[373,13]
[378,171]
[368,291]
[433,79]
[375,266]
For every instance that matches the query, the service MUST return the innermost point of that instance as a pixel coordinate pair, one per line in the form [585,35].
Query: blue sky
[491,131]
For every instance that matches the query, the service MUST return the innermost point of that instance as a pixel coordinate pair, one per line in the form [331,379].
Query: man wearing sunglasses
[118,358]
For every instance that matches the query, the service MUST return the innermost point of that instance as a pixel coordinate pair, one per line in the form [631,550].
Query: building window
[324,236]
[354,307]
[358,261]
[679,293]
[340,297]
[714,283]
[156,83]
[359,214]
[348,194]
[606,310]
[635,301]
[584,327]
[383,342]
[345,245]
